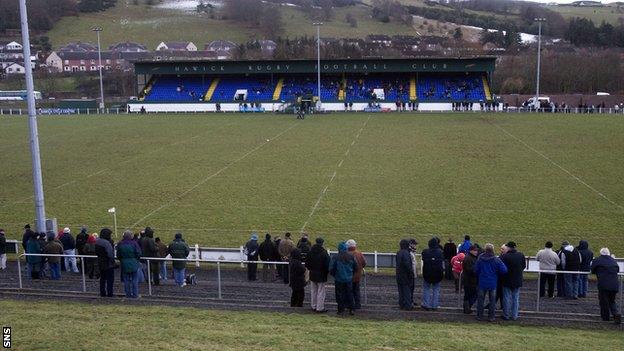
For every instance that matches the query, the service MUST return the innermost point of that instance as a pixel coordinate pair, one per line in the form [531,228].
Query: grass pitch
[372,177]
[114,327]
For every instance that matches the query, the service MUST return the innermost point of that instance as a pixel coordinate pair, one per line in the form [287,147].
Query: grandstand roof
[475,64]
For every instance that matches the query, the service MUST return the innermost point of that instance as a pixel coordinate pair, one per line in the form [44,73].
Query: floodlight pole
[98,30]
[32,123]
[318,58]
[539,51]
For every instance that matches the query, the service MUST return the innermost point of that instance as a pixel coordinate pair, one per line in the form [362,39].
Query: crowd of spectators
[485,277]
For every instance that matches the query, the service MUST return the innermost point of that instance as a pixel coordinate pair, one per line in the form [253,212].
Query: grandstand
[434,83]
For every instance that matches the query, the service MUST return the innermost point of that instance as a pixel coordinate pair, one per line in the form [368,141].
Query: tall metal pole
[98,30]
[539,50]
[318,58]
[32,124]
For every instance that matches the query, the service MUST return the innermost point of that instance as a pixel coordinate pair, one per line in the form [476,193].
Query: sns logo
[6,337]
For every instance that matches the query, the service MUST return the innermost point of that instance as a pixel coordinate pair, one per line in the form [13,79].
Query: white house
[54,62]
[176,46]
[15,68]
[11,45]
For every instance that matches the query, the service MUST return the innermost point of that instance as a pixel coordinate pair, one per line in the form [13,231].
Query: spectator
[450,250]
[570,261]
[286,246]
[34,262]
[433,273]
[515,262]
[560,276]
[3,257]
[465,246]
[148,249]
[26,236]
[267,252]
[81,239]
[318,264]
[586,258]
[54,247]
[277,257]
[412,249]
[405,276]
[143,245]
[162,252]
[91,266]
[487,269]
[106,262]
[357,275]
[128,253]
[469,278]
[457,267]
[548,261]
[42,243]
[606,270]
[251,251]
[179,249]
[342,268]
[304,246]
[297,273]
[69,250]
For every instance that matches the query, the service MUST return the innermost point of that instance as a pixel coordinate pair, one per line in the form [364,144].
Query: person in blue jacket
[487,269]
[465,246]
[341,268]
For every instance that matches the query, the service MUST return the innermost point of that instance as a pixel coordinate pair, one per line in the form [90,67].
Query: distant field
[151,25]
[115,327]
[609,14]
[375,178]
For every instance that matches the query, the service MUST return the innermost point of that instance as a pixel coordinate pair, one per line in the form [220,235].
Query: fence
[219,263]
[117,111]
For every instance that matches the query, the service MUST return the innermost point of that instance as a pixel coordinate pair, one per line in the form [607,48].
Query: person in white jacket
[548,261]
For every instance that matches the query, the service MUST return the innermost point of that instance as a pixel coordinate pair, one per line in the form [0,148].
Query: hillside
[613,14]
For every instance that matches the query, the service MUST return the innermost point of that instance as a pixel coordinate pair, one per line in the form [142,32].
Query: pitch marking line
[203,181]
[318,201]
[557,165]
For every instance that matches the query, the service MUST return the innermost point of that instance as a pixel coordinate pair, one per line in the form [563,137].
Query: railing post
[219,278]
[19,271]
[84,280]
[197,258]
[376,261]
[149,278]
[539,277]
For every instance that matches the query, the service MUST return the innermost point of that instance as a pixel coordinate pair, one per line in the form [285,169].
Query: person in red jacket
[457,267]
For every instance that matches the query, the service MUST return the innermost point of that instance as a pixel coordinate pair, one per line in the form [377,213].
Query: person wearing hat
[318,265]
[606,270]
[251,250]
[285,248]
[128,253]
[69,249]
[267,252]
[357,275]
[91,266]
[515,262]
[341,268]
[405,276]
[570,261]
[469,278]
[179,249]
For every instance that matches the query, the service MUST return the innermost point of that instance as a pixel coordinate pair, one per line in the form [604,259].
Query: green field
[610,14]
[372,177]
[115,327]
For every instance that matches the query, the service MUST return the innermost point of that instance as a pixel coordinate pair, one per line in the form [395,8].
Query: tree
[458,34]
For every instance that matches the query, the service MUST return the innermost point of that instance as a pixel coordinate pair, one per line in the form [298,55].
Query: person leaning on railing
[180,250]
[53,247]
[106,262]
[3,256]
[606,269]
[128,253]
[548,261]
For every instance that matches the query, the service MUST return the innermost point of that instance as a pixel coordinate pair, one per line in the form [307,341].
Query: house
[10,46]
[84,61]
[15,68]
[78,47]
[128,47]
[267,47]
[176,46]
[379,39]
[54,62]
[220,45]
[587,4]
